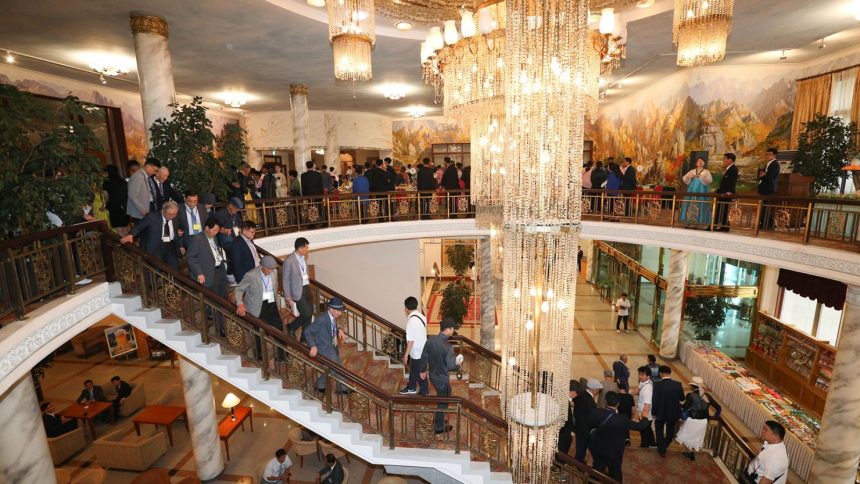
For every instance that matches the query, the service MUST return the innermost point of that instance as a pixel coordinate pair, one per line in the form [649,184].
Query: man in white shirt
[771,464]
[622,308]
[416,337]
[276,469]
[643,406]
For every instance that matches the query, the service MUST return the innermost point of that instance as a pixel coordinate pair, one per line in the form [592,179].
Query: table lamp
[230,401]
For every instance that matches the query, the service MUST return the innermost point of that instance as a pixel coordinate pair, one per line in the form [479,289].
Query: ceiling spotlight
[319,151]
[822,45]
[784,56]
[316,3]
[107,65]
[235,99]
[403,25]
[417,113]
[394,92]
[10,59]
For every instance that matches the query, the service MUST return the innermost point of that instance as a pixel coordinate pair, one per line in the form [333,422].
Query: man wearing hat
[257,294]
[438,355]
[583,406]
[230,220]
[323,336]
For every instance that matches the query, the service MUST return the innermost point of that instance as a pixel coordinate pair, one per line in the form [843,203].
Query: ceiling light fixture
[854,9]
[316,3]
[351,30]
[10,59]
[700,29]
[784,55]
[822,45]
[416,112]
[607,21]
[394,91]
[235,99]
[109,66]
[403,26]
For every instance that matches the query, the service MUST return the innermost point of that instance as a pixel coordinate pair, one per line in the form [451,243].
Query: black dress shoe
[447,429]
[690,455]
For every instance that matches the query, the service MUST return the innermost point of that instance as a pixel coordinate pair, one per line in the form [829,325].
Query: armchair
[64,446]
[131,453]
[133,403]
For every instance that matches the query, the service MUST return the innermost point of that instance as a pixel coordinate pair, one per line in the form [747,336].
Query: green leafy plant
[186,145]
[706,314]
[47,161]
[459,257]
[231,146]
[455,301]
[825,145]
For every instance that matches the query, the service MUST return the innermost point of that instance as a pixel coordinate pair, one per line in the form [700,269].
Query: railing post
[327,202]
[358,207]
[16,289]
[672,212]
[759,207]
[388,201]
[457,436]
[328,389]
[713,212]
[204,318]
[806,228]
[636,209]
[602,204]
[364,328]
[264,354]
[70,265]
[144,288]
[391,425]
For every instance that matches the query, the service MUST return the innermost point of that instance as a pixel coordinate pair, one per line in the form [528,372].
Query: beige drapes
[812,98]
[855,112]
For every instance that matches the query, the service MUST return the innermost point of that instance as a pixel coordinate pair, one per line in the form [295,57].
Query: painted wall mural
[413,139]
[719,109]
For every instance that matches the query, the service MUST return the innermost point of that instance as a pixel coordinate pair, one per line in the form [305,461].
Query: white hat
[593,384]
[697,380]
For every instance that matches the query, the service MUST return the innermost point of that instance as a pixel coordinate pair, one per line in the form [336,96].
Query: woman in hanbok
[696,210]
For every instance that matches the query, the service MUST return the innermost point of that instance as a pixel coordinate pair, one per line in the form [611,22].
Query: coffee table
[88,413]
[228,426]
[160,415]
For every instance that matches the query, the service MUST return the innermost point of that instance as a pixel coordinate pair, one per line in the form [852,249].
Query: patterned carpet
[434,308]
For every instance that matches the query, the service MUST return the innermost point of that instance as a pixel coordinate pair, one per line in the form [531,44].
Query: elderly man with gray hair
[159,233]
[257,294]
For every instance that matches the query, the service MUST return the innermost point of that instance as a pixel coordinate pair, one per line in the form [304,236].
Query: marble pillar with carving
[332,149]
[301,124]
[488,296]
[676,277]
[202,420]
[154,68]
[25,457]
[837,450]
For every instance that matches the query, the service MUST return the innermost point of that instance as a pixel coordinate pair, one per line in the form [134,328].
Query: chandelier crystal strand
[545,114]
[351,30]
[487,148]
[700,29]
[473,72]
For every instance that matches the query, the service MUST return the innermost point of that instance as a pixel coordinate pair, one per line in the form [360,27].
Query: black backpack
[698,406]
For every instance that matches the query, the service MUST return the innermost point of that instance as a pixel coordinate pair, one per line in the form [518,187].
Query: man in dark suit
[192,217]
[159,234]
[392,175]
[323,337]
[726,190]
[312,182]
[243,253]
[240,185]
[608,442]
[426,183]
[91,393]
[450,180]
[667,400]
[123,391]
[565,435]
[55,424]
[163,189]
[467,177]
[767,186]
[628,182]
[379,180]
[332,473]
[583,405]
[207,260]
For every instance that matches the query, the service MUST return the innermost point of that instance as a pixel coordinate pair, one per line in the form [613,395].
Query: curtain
[812,98]
[842,96]
[855,107]
[826,291]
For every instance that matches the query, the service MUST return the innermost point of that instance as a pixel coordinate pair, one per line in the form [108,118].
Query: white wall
[769,290]
[378,276]
[274,130]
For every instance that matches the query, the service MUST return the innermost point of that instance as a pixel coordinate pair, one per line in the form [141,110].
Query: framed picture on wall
[120,340]
[273,159]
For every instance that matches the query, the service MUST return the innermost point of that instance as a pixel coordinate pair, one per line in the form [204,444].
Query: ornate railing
[727,446]
[568,470]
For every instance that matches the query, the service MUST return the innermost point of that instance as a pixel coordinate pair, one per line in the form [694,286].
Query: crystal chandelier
[545,104]
[610,45]
[700,29]
[351,25]
[487,149]
[422,11]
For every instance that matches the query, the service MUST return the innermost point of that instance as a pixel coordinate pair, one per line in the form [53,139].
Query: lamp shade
[230,401]
[467,24]
[451,35]
[485,20]
[607,21]
[435,40]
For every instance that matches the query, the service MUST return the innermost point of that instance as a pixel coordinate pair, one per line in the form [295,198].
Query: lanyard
[192,213]
[266,281]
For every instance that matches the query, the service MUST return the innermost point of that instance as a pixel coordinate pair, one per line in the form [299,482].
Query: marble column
[24,454]
[837,450]
[591,262]
[154,68]
[675,279]
[332,149]
[301,124]
[202,420]
[488,296]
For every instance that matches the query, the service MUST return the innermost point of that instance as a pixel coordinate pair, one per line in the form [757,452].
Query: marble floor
[249,451]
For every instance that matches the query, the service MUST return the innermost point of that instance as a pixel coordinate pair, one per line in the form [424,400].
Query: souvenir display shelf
[799,365]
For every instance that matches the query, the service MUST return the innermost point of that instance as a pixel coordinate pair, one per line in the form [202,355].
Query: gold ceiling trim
[298,89]
[148,24]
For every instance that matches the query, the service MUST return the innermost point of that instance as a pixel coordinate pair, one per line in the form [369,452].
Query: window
[810,316]
[459,152]
[842,94]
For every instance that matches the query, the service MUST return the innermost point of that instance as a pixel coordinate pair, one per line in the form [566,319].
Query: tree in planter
[825,145]
[706,314]
[231,146]
[455,296]
[47,161]
[186,145]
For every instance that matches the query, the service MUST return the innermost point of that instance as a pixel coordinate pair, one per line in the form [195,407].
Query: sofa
[64,446]
[134,453]
[90,341]
[133,403]
[173,395]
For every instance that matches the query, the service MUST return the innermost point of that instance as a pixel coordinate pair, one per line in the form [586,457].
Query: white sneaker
[617,331]
[626,332]
[83,282]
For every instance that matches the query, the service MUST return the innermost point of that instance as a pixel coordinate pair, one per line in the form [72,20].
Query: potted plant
[706,314]
[824,147]
[455,296]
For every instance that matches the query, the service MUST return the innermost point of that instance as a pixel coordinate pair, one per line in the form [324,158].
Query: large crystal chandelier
[545,107]
[700,29]
[487,140]
[351,30]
